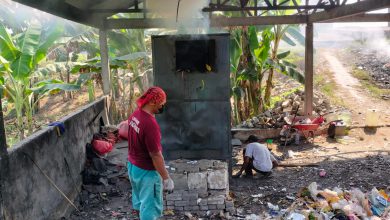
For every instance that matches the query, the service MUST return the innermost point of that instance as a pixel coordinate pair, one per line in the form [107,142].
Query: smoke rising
[184,16]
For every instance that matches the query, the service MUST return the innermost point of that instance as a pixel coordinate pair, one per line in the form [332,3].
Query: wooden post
[3,158]
[309,69]
[388,24]
[3,140]
[104,61]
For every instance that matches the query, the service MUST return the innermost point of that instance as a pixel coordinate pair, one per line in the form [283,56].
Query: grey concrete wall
[26,192]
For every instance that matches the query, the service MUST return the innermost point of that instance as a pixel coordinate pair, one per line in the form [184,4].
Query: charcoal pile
[274,118]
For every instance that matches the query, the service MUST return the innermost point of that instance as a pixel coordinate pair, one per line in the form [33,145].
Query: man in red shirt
[146,166]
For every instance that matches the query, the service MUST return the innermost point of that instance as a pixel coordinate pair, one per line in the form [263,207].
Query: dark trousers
[250,167]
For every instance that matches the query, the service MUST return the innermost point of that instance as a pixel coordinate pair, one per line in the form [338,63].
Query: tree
[20,56]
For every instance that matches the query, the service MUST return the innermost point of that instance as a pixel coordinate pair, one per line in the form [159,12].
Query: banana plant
[20,56]
[291,35]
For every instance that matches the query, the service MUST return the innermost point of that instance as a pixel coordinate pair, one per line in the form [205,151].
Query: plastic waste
[272,206]
[361,199]
[377,201]
[296,216]
[354,209]
[322,173]
[102,147]
[253,217]
[340,204]
[330,196]
[291,154]
[313,190]
[257,195]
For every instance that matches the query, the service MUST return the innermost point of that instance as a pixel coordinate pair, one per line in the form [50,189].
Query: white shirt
[262,158]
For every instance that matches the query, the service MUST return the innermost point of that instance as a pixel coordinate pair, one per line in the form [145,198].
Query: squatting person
[256,157]
[146,165]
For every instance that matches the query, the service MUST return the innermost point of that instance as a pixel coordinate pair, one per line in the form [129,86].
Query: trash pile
[338,204]
[376,63]
[105,180]
[274,118]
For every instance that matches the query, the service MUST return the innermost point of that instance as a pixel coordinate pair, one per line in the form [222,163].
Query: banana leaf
[283,55]
[52,85]
[7,47]
[288,40]
[51,35]
[23,65]
[294,32]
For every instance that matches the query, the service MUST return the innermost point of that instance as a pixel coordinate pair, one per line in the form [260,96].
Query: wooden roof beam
[241,21]
[348,10]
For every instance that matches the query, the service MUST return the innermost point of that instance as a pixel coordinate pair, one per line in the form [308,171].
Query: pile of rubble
[313,203]
[376,64]
[274,118]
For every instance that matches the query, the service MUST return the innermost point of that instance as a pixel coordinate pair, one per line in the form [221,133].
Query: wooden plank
[273,7]
[241,21]
[362,18]
[348,10]
[115,11]
[261,20]
[298,165]
[104,61]
[214,22]
[309,70]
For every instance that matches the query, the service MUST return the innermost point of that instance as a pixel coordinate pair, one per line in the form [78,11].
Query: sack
[101,146]
[123,130]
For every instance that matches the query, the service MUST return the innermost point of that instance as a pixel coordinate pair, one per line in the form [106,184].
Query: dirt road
[357,99]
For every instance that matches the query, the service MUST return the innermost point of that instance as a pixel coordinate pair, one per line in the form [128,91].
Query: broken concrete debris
[274,118]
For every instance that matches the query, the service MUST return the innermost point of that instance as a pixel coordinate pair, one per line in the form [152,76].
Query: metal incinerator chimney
[194,71]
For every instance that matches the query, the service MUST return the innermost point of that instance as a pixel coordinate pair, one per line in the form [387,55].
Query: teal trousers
[146,192]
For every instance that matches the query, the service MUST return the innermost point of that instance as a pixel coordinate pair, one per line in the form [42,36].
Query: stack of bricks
[201,187]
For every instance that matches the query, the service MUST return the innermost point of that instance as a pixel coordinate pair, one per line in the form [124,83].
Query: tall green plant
[21,55]
[289,34]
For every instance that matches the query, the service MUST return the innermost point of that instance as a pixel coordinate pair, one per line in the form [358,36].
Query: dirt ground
[360,160]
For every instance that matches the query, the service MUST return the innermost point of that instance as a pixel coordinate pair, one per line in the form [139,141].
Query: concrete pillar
[104,61]
[309,69]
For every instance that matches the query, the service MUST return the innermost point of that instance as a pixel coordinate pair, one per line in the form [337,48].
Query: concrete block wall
[201,187]
[26,192]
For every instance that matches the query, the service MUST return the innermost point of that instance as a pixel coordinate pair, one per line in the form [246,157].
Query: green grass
[367,83]
[328,87]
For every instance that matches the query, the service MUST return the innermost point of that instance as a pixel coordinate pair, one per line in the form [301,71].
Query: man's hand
[237,175]
[168,184]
